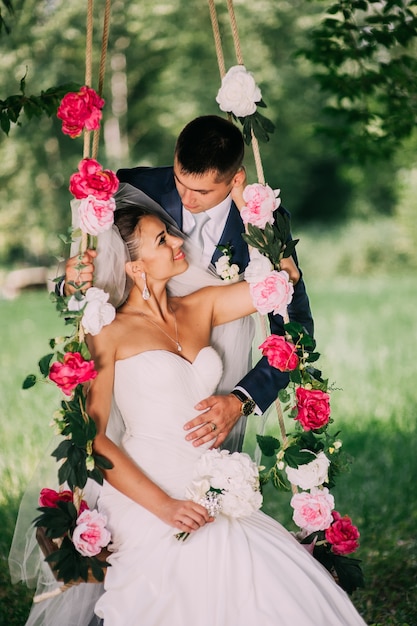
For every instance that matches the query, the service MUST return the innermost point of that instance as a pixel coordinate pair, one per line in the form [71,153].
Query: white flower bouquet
[225,483]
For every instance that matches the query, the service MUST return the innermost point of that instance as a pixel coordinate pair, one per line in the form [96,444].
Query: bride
[155,361]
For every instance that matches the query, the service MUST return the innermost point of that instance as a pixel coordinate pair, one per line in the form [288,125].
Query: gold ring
[213,426]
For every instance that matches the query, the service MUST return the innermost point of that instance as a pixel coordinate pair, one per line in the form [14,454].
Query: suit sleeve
[264,382]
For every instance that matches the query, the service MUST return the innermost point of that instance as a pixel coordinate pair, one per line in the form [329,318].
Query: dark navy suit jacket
[263,382]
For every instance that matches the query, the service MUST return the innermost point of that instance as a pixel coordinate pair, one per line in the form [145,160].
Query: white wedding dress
[232,572]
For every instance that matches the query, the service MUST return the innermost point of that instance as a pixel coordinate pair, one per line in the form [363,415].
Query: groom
[207,169]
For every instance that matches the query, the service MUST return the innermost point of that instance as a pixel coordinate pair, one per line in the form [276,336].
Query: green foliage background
[162,72]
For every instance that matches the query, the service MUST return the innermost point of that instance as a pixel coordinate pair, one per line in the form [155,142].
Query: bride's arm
[125,475]
[234,301]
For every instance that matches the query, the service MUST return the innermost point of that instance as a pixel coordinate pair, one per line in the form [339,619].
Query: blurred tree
[364,57]
[162,72]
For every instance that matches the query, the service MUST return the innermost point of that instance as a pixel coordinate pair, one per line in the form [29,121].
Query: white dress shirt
[212,230]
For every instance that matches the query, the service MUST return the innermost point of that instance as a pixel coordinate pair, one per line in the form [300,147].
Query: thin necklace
[177,343]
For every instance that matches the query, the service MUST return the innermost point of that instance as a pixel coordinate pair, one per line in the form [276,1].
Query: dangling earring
[145,293]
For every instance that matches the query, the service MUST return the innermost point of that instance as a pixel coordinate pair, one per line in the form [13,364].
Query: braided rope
[255,149]
[102,68]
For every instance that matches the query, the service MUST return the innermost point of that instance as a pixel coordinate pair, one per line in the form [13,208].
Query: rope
[102,69]
[255,149]
[217,38]
[235,33]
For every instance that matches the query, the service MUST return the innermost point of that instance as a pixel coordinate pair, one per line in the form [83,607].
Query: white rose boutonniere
[226,270]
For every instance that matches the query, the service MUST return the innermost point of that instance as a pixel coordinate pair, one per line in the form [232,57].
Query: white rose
[311,474]
[76,304]
[258,268]
[98,311]
[239,92]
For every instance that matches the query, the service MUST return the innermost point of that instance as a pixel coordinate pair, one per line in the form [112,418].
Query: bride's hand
[290,267]
[185,515]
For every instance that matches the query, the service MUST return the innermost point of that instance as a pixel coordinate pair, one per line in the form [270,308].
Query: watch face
[248,407]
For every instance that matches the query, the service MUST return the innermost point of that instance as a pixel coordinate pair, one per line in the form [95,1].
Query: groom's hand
[79,270]
[220,414]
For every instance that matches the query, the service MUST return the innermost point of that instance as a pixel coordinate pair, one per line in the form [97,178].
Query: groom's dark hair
[210,144]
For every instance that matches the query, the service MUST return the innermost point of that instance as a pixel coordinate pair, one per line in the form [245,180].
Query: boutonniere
[225,269]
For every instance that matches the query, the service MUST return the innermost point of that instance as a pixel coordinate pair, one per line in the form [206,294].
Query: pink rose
[90,534]
[273,294]
[280,353]
[73,371]
[313,408]
[92,180]
[342,534]
[80,110]
[95,215]
[313,511]
[50,497]
[260,205]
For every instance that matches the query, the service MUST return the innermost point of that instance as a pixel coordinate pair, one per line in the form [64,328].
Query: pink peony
[73,371]
[313,408]
[92,180]
[342,534]
[79,111]
[260,205]
[96,216]
[280,353]
[273,294]
[313,511]
[50,497]
[90,534]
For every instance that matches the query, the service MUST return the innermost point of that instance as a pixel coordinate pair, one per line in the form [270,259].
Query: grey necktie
[196,234]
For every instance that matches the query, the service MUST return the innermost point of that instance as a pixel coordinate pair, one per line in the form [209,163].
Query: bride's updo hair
[127,220]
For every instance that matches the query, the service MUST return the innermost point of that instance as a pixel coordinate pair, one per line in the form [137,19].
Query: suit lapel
[232,235]
[172,204]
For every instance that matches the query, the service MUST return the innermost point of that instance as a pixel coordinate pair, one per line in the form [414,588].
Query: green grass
[366,330]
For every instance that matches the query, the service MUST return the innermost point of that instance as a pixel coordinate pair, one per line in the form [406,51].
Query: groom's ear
[239,178]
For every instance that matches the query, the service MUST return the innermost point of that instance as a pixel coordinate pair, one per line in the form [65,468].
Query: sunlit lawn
[366,333]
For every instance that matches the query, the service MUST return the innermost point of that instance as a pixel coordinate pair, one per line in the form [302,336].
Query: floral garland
[309,457]
[79,535]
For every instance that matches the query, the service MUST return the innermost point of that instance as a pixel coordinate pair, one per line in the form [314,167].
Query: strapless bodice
[156,392]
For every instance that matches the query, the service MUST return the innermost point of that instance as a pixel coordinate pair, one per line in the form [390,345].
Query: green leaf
[29,381]
[294,456]
[44,364]
[102,462]
[349,573]
[284,396]
[268,445]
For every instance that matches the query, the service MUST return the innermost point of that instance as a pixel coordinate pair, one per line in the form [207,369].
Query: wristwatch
[248,405]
